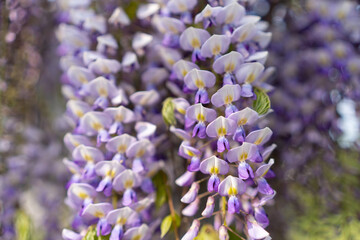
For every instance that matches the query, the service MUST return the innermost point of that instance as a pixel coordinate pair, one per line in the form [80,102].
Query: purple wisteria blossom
[216,66]
[114,128]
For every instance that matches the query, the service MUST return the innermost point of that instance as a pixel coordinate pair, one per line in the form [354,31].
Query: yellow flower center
[200,117]
[228,99]
[258,141]
[232,191]
[242,121]
[199,83]
[82,195]
[214,170]
[221,131]
[195,43]
[216,49]
[128,184]
[243,157]
[121,221]
[99,214]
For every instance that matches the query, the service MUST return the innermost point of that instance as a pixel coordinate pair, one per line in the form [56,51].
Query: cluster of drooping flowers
[319,66]
[113,140]
[215,55]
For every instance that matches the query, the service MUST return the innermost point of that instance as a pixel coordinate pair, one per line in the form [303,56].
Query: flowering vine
[114,137]
[217,71]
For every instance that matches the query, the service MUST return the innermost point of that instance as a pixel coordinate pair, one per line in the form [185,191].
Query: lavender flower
[185,53]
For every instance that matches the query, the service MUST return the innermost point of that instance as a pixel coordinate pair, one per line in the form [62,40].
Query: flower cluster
[114,138]
[217,71]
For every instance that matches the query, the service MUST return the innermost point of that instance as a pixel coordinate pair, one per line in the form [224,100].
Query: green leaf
[165,225]
[160,181]
[177,220]
[167,112]
[91,235]
[262,103]
[23,226]
[207,232]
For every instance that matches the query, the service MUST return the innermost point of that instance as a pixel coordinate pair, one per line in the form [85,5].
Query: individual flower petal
[104,66]
[223,233]
[108,169]
[247,116]
[87,154]
[259,137]
[119,18]
[228,63]
[95,23]
[193,38]
[262,170]
[209,209]
[244,33]
[147,10]
[92,122]
[137,233]
[231,186]
[193,230]
[141,40]
[120,143]
[221,127]
[199,79]
[214,165]
[255,230]
[226,95]
[97,210]
[199,113]
[79,76]
[77,108]
[145,98]
[249,72]
[172,25]
[145,130]
[72,141]
[106,41]
[215,45]
[121,114]
[231,14]
[186,179]
[180,6]
[129,62]
[190,196]
[141,148]
[247,151]
[191,209]
[119,216]
[70,235]
[182,67]
[127,179]
[80,192]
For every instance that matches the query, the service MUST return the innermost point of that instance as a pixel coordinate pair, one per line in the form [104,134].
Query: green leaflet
[165,225]
[262,103]
[160,180]
[91,235]
[207,232]
[167,112]
[23,226]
